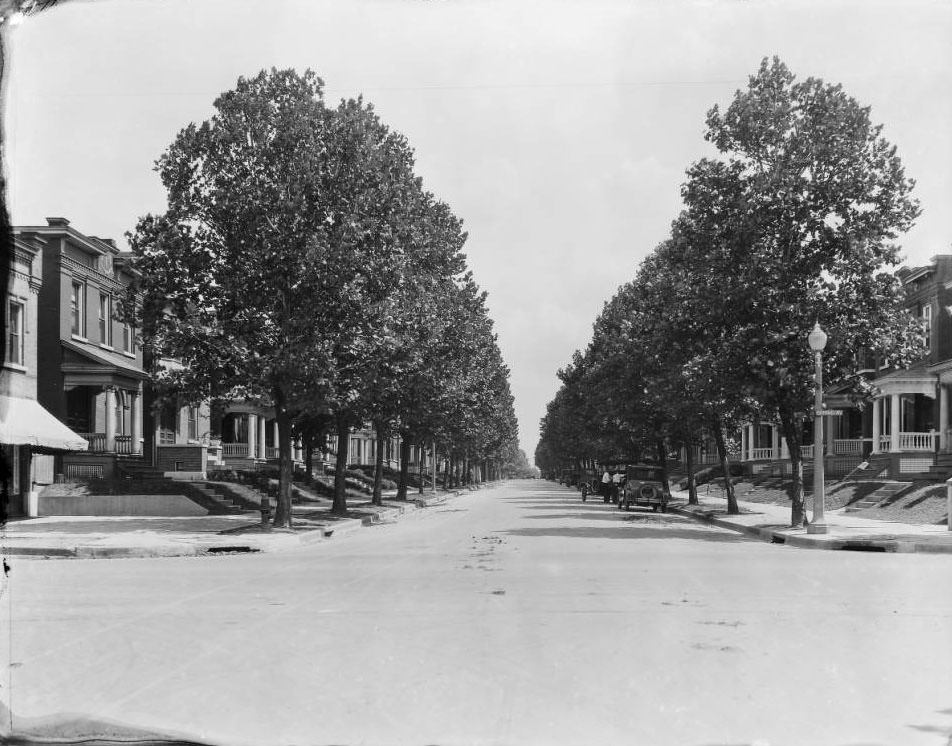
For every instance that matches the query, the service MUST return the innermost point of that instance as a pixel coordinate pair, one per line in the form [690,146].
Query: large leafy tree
[799,218]
[264,274]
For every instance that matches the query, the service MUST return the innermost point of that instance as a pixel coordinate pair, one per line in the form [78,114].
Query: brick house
[29,433]
[94,378]
[904,432]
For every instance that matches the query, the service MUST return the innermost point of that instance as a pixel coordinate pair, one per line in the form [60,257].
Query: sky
[558,131]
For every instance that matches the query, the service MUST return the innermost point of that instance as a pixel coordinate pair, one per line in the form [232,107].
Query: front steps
[883,494]
[222,498]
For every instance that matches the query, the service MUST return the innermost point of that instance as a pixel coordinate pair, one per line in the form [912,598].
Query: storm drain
[232,550]
[859,546]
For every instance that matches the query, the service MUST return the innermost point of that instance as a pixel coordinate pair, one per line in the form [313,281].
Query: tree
[262,275]
[799,218]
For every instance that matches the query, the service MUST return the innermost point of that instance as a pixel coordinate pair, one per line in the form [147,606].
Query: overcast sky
[558,131]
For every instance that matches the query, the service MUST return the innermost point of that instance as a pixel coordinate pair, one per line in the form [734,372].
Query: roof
[102,365]
[24,422]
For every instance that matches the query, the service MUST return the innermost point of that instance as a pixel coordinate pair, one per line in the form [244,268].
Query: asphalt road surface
[513,615]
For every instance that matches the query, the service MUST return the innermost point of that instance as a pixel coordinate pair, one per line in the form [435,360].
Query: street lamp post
[818,525]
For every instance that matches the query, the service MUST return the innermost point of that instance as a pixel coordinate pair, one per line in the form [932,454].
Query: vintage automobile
[589,483]
[570,478]
[644,487]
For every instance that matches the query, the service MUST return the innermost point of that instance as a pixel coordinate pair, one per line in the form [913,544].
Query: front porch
[249,437]
[102,402]
[904,454]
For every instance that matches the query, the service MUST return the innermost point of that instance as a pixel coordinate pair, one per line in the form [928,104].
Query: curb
[819,541]
[236,544]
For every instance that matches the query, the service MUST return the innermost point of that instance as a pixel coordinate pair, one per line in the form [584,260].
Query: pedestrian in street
[617,479]
[606,486]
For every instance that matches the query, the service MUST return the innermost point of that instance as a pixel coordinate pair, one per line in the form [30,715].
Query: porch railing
[917,441]
[850,446]
[924,442]
[270,452]
[97,441]
[234,450]
[125,446]
[761,454]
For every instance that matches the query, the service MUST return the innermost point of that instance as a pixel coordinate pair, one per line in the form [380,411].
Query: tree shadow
[630,532]
[614,515]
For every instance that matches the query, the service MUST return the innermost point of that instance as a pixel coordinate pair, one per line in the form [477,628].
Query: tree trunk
[404,467]
[421,462]
[378,466]
[308,443]
[663,451]
[798,517]
[340,468]
[732,508]
[692,482]
[282,511]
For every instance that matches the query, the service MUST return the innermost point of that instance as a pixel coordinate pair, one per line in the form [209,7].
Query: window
[105,319]
[77,303]
[193,423]
[15,333]
[168,424]
[128,339]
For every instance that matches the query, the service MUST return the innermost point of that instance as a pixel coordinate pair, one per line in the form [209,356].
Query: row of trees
[793,223]
[301,263]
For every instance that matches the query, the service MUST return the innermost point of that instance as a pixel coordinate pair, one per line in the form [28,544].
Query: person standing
[617,479]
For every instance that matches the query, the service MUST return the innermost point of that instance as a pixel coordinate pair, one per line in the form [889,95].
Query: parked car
[645,487]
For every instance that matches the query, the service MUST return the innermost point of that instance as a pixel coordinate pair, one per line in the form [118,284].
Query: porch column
[775,444]
[943,417]
[877,423]
[136,422]
[894,423]
[110,419]
[274,437]
[252,433]
[743,444]
[262,438]
[751,442]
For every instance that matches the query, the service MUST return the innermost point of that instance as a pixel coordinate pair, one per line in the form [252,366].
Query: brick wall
[180,458]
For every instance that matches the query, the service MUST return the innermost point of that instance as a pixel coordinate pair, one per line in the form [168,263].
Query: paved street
[515,614]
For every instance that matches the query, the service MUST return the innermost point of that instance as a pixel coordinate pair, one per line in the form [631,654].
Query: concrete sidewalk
[772,523]
[117,537]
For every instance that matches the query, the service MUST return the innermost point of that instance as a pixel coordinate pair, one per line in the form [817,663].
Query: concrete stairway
[880,495]
[218,498]
[876,468]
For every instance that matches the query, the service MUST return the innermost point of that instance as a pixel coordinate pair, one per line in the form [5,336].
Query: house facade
[94,378]
[29,434]
[904,432]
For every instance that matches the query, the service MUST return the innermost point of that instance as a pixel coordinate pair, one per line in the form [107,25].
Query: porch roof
[25,422]
[84,366]
[915,380]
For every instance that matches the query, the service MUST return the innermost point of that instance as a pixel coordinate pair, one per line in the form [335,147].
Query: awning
[24,422]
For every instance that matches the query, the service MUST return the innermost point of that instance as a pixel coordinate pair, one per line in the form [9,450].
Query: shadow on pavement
[615,515]
[630,532]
